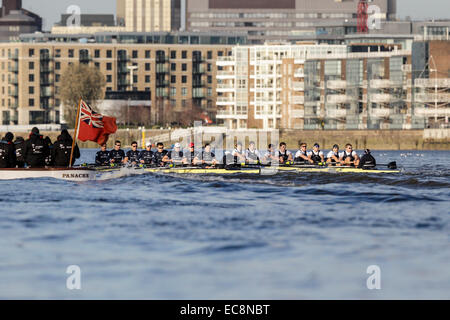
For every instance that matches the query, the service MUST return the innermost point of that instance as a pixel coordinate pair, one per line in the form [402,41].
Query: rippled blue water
[244,237]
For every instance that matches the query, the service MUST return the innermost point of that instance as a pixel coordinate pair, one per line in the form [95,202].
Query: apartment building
[327,87]
[177,76]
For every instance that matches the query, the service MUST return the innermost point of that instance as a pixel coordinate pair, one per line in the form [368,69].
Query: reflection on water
[243,236]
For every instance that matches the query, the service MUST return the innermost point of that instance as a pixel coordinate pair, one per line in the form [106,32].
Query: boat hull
[68,174]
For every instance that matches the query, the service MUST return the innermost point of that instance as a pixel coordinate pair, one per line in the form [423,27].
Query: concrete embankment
[429,139]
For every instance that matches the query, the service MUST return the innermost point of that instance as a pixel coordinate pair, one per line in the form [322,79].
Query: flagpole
[77,127]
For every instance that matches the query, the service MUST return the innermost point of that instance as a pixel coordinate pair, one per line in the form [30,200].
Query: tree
[80,81]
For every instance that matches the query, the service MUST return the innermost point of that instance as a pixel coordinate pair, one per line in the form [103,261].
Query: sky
[51,10]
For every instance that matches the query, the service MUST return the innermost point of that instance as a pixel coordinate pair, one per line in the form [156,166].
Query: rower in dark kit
[367,160]
[191,154]
[316,155]
[62,150]
[36,150]
[132,156]
[19,145]
[102,156]
[333,156]
[176,156]
[349,156]
[146,156]
[206,158]
[117,155]
[161,156]
[285,156]
[301,157]
[7,152]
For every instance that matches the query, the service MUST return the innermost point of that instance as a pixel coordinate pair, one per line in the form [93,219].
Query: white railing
[380,97]
[225,101]
[431,83]
[336,84]
[380,112]
[337,98]
[225,73]
[299,73]
[430,97]
[382,83]
[225,86]
[431,112]
[298,100]
[298,86]
[336,113]
[298,113]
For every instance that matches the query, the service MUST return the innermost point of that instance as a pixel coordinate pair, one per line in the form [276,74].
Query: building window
[31,78]
[209,92]
[135,54]
[183,103]
[173,92]
[57,65]
[109,54]
[31,53]
[173,79]
[31,90]
[209,79]
[97,65]
[31,102]
[71,53]
[108,89]
[147,54]
[147,89]
[173,54]
[184,92]
[209,55]
[184,54]
[58,53]
[220,53]
[173,67]
[147,79]
[109,66]
[147,67]
[57,77]
[31,65]
[135,79]
[109,78]
[184,67]
[97,53]
[209,68]
[183,79]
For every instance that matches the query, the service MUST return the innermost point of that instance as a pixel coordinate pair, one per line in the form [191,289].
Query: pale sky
[51,10]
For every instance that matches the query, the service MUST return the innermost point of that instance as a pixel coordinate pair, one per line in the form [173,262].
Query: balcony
[299,73]
[162,68]
[198,93]
[336,113]
[381,98]
[298,114]
[225,74]
[432,97]
[123,57]
[298,86]
[162,59]
[162,83]
[13,56]
[46,69]
[337,98]
[46,92]
[383,83]
[231,114]
[225,87]
[13,80]
[123,82]
[380,113]
[198,69]
[225,101]
[431,83]
[45,57]
[298,100]
[14,68]
[336,84]
[14,92]
[225,61]
[432,112]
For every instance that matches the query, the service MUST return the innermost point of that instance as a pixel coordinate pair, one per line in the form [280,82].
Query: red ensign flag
[93,126]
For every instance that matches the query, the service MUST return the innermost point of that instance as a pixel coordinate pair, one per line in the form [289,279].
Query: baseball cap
[191,145]
[177,145]
[316,145]
[148,144]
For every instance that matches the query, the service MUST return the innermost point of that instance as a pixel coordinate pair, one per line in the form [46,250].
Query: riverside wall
[428,139]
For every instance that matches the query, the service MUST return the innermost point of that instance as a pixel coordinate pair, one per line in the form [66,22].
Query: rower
[50,158]
[20,145]
[7,152]
[191,154]
[176,156]
[102,156]
[252,154]
[146,156]
[333,156]
[132,156]
[117,155]
[367,160]
[316,155]
[301,156]
[349,156]
[270,155]
[284,155]
[161,156]
[207,157]
[62,149]
[35,150]
[238,154]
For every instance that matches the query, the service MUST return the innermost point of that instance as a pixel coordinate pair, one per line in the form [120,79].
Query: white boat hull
[69,174]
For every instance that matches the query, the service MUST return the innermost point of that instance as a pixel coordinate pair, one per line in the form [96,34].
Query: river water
[290,236]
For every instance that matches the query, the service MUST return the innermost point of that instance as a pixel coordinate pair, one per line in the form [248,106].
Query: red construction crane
[362,16]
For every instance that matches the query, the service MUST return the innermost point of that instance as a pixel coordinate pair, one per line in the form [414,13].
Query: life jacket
[102,158]
[336,155]
[177,156]
[158,156]
[133,156]
[147,156]
[285,155]
[299,159]
[252,155]
[352,158]
[315,156]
